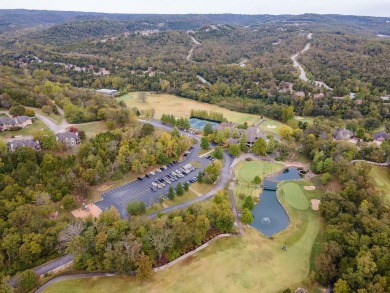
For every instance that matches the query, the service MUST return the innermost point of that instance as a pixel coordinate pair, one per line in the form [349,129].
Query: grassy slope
[92,128]
[381,177]
[181,107]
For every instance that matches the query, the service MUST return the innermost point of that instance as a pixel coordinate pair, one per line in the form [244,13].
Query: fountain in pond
[265,220]
[269,215]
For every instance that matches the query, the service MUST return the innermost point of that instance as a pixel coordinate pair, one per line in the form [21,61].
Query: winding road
[302,74]
[196,44]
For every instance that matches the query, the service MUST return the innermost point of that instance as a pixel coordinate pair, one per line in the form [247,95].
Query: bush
[29,280]
[68,202]
[248,203]
[30,113]
[17,110]
[136,208]
[257,180]
[247,217]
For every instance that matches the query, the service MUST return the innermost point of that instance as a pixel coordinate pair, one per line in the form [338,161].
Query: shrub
[68,202]
[136,208]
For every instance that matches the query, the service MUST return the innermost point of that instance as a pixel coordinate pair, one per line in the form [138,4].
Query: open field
[381,177]
[181,107]
[248,170]
[27,131]
[294,195]
[91,128]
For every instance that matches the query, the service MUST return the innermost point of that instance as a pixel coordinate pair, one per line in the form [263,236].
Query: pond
[269,215]
[199,123]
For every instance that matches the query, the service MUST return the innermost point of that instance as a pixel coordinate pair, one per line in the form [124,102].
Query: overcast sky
[350,7]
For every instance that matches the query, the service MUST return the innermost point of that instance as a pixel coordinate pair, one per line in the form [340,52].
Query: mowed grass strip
[381,176]
[294,196]
[247,171]
[181,107]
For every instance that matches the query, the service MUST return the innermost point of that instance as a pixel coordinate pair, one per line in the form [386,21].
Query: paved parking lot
[141,190]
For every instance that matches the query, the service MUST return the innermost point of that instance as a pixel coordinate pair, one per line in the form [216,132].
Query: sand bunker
[315,204]
[298,118]
[271,126]
[309,187]
[92,210]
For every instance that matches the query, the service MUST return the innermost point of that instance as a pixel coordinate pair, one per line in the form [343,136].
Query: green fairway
[181,107]
[294,196]
[381,176]
[247,171]
[251,263]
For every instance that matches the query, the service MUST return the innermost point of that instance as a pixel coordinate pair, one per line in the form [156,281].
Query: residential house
[6,123]
[68,138]
[17,143]
[343,134]
[380,136]
[254,133]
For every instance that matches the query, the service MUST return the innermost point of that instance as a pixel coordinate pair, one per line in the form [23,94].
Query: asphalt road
[141,190]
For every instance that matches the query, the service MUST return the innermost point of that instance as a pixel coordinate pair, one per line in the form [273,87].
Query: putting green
[294,196]
[247,171]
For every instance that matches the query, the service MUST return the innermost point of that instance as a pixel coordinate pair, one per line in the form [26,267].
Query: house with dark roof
[68,138]
[343,134]
[252,134]
[17,143]
[7,123]
[380,136]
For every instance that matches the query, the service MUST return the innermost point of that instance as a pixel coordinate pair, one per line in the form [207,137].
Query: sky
[347,7]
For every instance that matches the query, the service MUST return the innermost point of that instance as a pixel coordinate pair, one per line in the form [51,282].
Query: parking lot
[148,188]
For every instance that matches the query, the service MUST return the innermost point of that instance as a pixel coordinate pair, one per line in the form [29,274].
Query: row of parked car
[174,176]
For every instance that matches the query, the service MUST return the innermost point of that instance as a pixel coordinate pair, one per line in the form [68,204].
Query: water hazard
[269,215]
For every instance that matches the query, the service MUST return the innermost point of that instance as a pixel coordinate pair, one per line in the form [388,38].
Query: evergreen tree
[247,216]
[204,143]
[186,186]
[171,193]
[179,189]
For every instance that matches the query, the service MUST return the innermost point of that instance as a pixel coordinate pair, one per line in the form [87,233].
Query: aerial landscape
[216,146]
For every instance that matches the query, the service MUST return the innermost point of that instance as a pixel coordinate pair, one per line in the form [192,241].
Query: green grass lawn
[251,263]
[29,130]
[381,176]
[181,107]
[92,128]
[248,170]
[294,196]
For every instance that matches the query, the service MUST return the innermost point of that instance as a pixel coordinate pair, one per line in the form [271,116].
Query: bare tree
[142,96]
[72,230]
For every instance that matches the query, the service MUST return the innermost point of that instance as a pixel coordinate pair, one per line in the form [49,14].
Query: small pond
[199,123]
[269,215]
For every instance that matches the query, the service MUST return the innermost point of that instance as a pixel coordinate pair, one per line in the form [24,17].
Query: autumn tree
[259,147]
